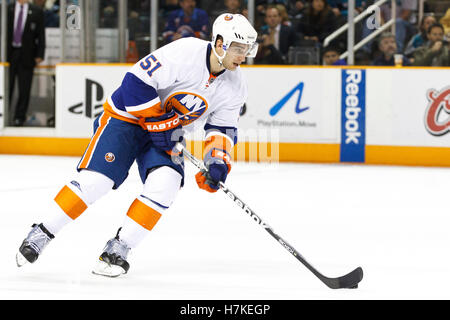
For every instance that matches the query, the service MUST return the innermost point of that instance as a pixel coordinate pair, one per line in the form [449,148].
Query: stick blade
[349,281]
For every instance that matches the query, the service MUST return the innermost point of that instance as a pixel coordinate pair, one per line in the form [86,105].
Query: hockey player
[187,84]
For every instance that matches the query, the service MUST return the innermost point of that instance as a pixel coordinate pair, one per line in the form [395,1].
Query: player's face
[236,54]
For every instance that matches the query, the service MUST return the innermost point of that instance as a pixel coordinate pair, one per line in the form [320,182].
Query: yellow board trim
[410,156]
[297,66]
[243,151]
[249,151]
[43,146]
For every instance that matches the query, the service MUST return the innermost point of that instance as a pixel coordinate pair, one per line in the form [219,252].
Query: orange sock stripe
[70,203]
[219,142]
[144,215]
[90,149]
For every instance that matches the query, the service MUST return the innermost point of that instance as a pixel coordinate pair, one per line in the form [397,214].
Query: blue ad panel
[353,115]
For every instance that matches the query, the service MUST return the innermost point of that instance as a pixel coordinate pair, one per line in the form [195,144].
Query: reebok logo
[353,115]
[352,109]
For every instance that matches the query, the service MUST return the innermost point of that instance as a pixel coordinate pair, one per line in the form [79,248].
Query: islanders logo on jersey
[188,106]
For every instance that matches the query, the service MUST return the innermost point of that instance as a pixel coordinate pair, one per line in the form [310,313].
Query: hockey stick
[349,280]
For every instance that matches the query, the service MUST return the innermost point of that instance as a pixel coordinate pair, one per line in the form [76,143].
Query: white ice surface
[392,221]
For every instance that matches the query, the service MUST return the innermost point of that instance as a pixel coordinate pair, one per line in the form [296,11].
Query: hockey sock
[74,198]
[70,202]
[55,220]
[132,232]
[143,214]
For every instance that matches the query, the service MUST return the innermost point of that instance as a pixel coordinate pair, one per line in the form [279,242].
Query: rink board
[313,114]
[288,152]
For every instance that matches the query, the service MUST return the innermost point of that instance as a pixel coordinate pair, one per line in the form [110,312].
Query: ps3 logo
[93,100]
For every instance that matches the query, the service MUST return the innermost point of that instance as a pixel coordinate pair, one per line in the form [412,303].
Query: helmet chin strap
[220,58]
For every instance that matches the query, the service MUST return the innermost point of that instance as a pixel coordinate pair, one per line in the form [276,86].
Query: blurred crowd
[294,31]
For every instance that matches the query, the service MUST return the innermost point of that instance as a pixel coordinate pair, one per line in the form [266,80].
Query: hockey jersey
[178,76]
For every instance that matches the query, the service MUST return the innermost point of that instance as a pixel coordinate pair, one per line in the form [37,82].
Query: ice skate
[113,261]
[34,243]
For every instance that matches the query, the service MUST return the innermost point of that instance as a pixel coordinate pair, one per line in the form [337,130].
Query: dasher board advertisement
[408,107]
[81,91]
[298,104]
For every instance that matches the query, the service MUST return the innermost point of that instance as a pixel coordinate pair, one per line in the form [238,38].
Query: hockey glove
[162,130]
[218,163]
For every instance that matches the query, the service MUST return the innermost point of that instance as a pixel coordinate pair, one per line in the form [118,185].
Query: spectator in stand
[445,21]
[340,7]
[260,12]
[271,3]
[388,47]
[295,8]
[276,38]
[134,25]
[330,57]
[404,20]
[436,51]
[167,6]
[188,21]
[135,28]
[420,38]
[227,6]
[318,22]
[109,18]
[233,6]
[284,15]
[51,16]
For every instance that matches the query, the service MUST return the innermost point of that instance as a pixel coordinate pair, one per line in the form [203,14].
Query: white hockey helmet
[234,28]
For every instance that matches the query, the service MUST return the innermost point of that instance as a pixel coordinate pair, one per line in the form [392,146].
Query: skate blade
[104,269]
[20,259]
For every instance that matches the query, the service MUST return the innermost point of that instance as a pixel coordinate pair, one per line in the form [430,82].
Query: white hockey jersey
[178,76]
